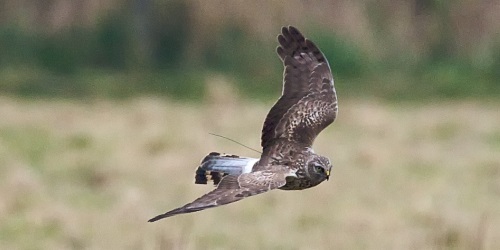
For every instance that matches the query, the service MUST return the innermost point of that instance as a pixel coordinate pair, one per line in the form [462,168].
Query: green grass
[110,63]
[88,175]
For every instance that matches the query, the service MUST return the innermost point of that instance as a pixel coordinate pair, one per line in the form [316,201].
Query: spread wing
[233,188]
[308,103]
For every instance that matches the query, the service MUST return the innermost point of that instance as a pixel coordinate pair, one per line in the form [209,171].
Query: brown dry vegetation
[88,176]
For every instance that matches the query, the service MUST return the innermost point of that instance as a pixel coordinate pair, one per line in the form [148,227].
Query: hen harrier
[307,105]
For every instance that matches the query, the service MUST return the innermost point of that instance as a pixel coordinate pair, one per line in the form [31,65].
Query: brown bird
[307,105]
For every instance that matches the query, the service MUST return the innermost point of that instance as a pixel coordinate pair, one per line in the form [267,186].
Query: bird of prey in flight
[308,104]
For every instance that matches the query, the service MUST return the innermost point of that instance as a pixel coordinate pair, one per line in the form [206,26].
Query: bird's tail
[215,166]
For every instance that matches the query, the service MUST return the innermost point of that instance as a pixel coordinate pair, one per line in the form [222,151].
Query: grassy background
[409,49]
[88,176]
[106,108]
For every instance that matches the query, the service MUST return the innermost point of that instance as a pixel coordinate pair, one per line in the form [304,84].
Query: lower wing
[233,188]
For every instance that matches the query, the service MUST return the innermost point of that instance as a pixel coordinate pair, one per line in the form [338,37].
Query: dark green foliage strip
[120,58]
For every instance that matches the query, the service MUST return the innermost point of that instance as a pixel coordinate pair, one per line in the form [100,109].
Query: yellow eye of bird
[319,168]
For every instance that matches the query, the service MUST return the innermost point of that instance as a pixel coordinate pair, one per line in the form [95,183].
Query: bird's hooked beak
[327,175]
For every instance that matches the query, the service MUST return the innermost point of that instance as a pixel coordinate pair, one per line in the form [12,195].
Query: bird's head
[318,168]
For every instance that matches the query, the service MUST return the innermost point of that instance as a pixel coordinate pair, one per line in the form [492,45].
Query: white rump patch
[249,166]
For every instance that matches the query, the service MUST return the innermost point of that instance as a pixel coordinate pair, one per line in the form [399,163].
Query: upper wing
[233,188]
[308,103]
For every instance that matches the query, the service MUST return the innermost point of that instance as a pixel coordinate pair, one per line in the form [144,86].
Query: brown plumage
[309,102]
[307,106]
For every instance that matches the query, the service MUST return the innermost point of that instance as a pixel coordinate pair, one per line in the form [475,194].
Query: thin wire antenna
[241,144]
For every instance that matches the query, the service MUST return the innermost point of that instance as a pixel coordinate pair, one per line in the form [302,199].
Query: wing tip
[158,217]
[289,40]
[292,33]
[287,29]
[168,214]
[177,211]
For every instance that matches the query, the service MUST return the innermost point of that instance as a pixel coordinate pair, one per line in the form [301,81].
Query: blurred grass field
[106,108]
[79,175]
